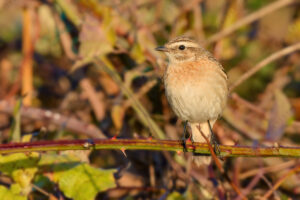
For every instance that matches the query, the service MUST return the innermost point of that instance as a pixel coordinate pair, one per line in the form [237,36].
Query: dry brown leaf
[117,115]
[280,114]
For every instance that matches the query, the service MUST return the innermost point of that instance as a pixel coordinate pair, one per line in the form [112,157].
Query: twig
[142,113]
[268,169]
[44,192]
[218,164]
[144,89]
[264,178]
[249,19]
[47,116]
[180,173]
[264,62]
[248,104]
[212,151]
[65,38]
[27,50]
[280,181]
[96,103]
[250,186]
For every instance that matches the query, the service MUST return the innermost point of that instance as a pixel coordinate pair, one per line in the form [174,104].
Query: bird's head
[182,49]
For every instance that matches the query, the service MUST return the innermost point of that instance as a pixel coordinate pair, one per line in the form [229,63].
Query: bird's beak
[161,48]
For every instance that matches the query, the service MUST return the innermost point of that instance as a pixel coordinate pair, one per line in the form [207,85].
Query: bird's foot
[183,142]
[214,142]
[185,136]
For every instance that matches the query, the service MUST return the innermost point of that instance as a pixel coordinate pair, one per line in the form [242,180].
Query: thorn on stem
[123,151]
[89,143]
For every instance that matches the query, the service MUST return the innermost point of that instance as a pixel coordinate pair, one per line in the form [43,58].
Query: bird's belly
[196,102]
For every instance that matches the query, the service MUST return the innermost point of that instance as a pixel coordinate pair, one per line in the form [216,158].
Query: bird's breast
[196,93]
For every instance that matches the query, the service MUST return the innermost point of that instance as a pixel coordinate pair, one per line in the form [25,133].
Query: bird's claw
[183,142]
[184,137]
[214,142]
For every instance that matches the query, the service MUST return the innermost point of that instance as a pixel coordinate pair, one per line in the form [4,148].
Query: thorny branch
[148,144]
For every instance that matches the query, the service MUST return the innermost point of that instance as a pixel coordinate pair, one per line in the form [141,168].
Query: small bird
[196,87]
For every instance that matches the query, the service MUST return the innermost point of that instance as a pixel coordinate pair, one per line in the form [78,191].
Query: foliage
[81,69]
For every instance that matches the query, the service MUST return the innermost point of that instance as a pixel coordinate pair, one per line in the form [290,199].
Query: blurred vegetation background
[74,69]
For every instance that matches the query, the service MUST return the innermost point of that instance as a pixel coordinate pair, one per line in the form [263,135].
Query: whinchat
[196,87]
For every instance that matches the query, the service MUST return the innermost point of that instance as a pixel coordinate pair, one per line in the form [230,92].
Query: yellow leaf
[26,138]
[12,193]
[293,34]
[137,53]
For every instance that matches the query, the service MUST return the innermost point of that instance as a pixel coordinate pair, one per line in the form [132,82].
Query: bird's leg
[184,137]
[213,140]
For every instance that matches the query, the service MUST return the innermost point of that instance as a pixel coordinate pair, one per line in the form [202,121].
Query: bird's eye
[181,47]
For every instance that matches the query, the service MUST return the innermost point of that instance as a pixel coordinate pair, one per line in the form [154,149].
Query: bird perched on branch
[196,87]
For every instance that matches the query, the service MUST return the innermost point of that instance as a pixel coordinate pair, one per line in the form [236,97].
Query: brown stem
[249,19]
[280,181]
[279,54]
[218,164]
[46,116]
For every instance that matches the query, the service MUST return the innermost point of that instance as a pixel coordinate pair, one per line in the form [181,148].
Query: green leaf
[10,163]
[43,181]
[83,182]
[21,167]
[59,163]
[48,42]
[77,180]
[70,10]
[13,193]
[175,196]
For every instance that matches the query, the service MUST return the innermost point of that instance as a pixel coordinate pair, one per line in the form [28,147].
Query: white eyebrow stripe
[185,43]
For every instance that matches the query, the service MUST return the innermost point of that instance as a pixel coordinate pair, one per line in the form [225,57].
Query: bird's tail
[197,137]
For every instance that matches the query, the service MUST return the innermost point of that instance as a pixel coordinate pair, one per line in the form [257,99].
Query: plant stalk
[147,144]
